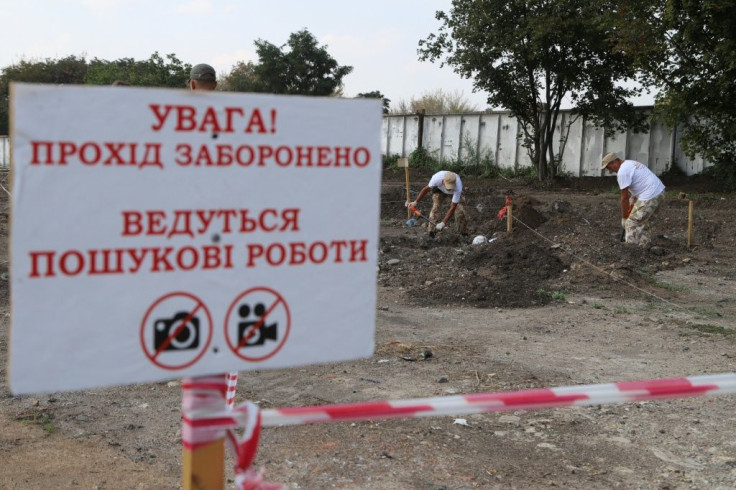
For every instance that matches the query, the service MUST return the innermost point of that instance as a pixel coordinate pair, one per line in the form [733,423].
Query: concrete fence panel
[472,137]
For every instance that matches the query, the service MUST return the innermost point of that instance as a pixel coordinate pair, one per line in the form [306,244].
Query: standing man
[642,194]
[202,77]
[443,184]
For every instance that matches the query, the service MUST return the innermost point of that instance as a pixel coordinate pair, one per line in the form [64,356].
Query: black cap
[203,72]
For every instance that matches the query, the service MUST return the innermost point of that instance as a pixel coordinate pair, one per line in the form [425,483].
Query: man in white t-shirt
[642,195]
[442,184]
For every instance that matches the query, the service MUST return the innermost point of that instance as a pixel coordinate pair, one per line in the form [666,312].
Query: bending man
[642,194]
[442,184]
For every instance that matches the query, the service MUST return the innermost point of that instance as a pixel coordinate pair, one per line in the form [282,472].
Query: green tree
[298,67]
[530,55]
[437,101]
[687,49]
[241,78]
[68,70]
[153,72]
[377,95]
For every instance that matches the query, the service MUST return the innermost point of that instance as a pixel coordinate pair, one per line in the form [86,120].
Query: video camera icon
[257,324]
[253,332]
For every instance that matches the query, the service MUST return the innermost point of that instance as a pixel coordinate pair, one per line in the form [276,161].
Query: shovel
[413,221]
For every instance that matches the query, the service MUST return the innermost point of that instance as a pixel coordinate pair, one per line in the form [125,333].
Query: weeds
[471,163]
[711,329]
[671,287]
[707,328]
[555,295]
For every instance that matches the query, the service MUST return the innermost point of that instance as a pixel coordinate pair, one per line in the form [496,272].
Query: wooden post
[203,466]
[689,223]
[404,162]
[509,218]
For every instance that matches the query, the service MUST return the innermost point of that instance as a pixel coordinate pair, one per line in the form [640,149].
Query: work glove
[440,226]
[412,204]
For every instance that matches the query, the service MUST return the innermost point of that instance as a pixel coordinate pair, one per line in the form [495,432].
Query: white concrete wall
[448,137]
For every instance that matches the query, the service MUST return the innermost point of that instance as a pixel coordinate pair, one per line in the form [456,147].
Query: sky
[378,38]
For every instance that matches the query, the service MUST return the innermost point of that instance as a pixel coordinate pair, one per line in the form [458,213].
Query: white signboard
[165,233]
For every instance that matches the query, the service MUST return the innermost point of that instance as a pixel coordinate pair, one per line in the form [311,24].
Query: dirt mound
[560,242]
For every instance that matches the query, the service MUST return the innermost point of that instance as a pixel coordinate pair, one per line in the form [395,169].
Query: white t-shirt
[436,182]
[640,181]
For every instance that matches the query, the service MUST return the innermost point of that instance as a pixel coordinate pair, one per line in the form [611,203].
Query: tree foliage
[153,72]
[438,101]
[241,78]
[300,66]
[530,55]
[377,95]
[687,48]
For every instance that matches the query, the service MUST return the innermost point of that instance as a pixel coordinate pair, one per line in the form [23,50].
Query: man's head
[611,162]
[449,181]
[202,77]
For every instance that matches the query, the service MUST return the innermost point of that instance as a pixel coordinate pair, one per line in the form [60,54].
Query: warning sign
[176,331]
[171,233]
[257,324]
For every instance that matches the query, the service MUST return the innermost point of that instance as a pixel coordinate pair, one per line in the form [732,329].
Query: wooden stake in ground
[690,223]
[404,162]
[509,217]
[203,461]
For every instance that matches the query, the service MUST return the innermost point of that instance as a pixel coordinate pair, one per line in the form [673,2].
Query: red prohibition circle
[153,356]
[279,299]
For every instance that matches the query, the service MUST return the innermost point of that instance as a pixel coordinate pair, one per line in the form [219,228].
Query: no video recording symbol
[257,324]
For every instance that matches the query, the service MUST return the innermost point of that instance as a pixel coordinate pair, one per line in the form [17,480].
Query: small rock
[443,379]
[393,261]
[172,384]
[658,251]
[460,422]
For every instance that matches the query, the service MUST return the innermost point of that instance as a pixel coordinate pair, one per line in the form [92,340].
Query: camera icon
[187,337]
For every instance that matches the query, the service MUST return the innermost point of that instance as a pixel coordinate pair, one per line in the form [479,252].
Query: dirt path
[565,304]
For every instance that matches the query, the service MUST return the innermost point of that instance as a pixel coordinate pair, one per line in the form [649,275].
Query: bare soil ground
[558,301]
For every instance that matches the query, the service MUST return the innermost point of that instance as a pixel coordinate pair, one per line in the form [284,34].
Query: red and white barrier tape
[232,387]
[207,418]
[721,384]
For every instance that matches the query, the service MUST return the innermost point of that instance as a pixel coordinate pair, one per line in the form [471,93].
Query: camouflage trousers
[461,219]
[639,224]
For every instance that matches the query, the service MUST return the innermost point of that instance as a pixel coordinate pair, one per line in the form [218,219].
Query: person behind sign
[442,184]
[642,195]
[202,77]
